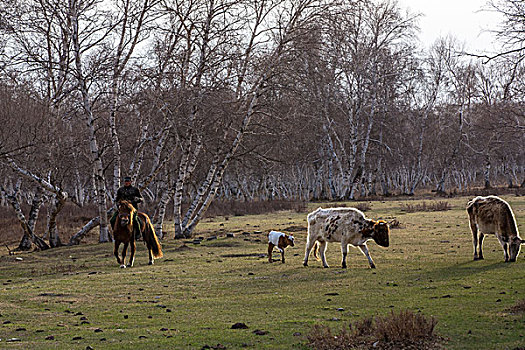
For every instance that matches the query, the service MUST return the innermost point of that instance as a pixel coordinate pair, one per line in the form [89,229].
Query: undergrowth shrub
[403,326]
[236,208]
[435,206]
[403,330]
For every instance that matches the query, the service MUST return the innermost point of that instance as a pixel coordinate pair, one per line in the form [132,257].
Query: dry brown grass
[236,208]
[435,206]
[363,206]
[72,217]
[402,330]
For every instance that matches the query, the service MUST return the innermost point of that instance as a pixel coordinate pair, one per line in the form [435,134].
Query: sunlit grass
[193,296]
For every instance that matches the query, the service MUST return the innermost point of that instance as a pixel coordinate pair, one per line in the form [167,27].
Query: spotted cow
[344,225]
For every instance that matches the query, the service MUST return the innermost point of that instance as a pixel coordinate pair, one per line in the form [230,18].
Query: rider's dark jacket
[129,193]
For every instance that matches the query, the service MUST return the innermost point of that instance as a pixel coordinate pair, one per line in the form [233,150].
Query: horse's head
[125,212]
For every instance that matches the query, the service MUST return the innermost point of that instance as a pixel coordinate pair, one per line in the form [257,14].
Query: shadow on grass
[465,269]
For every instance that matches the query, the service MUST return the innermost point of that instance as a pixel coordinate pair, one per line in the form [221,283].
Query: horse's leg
[132,253]
[124,250]
[150,262]
[115,251]
[145,236]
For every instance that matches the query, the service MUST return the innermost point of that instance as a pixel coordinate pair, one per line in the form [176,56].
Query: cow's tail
[470,206]
[311,219]
[316,249]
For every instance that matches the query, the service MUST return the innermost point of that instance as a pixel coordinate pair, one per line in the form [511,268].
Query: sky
[463,19]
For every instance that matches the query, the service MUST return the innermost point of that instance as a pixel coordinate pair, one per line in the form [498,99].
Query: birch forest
[246,100]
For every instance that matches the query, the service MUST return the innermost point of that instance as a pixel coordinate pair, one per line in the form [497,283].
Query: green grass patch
[74,297]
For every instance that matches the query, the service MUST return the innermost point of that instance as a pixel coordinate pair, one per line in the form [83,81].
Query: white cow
[345,225]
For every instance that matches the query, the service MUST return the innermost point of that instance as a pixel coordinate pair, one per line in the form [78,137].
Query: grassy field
[78,297]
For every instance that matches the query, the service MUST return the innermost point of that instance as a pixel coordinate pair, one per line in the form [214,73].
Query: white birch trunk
[120,61]
[186,168]
[198,200]
[26,241]
[77,237]
[219,173]
[161,212]
[52,229]
[39,242]
[486,173]
[95,154]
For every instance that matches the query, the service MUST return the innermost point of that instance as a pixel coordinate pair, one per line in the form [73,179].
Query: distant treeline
[290,100]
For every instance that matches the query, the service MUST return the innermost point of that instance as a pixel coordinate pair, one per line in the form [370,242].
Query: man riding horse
[131,194]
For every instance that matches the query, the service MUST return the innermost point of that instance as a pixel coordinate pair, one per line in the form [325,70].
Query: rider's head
[127,181]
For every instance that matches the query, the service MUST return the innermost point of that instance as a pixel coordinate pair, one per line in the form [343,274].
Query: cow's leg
[115,251]
[364,249]
[481,236]
[132,253]
[505,247]
[322,250]
[344,252]
[270,250]
[309,245]
[282,256]
[124,250]
[474,230]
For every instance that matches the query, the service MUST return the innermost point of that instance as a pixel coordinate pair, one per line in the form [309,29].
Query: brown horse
[123,233]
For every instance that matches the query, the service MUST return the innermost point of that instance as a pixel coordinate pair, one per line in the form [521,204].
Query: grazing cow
[492,214]
[345,225]
[279,240]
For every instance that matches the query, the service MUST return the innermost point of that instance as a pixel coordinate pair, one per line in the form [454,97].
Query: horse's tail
[149,236]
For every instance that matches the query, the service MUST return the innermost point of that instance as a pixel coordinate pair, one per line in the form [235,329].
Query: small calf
[279,240]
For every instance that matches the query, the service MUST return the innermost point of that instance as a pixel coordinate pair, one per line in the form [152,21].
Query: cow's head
[514,247]
[381,233]
[288,240]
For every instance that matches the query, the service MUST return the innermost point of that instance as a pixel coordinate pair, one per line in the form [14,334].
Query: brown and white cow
[345,225]
[492,215]
[279,240]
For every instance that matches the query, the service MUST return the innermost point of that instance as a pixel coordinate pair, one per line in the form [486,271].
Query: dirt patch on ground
[258,255]
[224,244]
[519,308]
[181,248]
[295,229]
